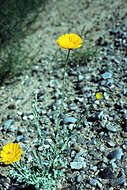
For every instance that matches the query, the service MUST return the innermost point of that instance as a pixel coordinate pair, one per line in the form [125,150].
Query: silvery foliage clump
[46,168]
[40,177]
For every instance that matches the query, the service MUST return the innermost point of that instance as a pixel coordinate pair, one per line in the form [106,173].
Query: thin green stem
[63,97]
[63,85]
[37,158]
[1,145]
[19,169]
[36,117]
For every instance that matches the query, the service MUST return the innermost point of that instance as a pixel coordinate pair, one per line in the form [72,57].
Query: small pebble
[80,77]
[115,154]
[8,123]
[24,118]
[80,163]
[31,117]
[93,182]
[112,128]
[106,75]
[119,181]
[69,120]
[107,173]
[111,144]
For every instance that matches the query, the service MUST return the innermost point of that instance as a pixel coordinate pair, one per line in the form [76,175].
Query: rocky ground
[97,156]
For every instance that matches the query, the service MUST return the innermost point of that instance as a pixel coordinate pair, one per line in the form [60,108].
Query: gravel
[96,153]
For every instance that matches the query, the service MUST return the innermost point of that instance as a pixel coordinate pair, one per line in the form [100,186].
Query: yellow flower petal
[99,95]
[69,41]
[10,153]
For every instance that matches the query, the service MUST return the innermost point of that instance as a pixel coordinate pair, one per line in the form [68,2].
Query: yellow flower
[10,153]
[69,41]
[99,95]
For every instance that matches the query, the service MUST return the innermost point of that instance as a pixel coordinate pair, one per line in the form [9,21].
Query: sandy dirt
[92,18]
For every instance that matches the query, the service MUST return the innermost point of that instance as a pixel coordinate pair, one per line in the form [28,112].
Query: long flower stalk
[63,85]
[68,42]
[63,97]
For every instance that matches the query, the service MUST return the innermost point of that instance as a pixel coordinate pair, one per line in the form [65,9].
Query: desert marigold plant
[70,41]
[10,153]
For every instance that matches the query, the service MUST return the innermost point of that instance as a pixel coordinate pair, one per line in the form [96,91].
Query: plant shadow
[16,18]
[12,15]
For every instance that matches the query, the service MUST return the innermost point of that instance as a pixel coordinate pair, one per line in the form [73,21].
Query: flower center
[9,152]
